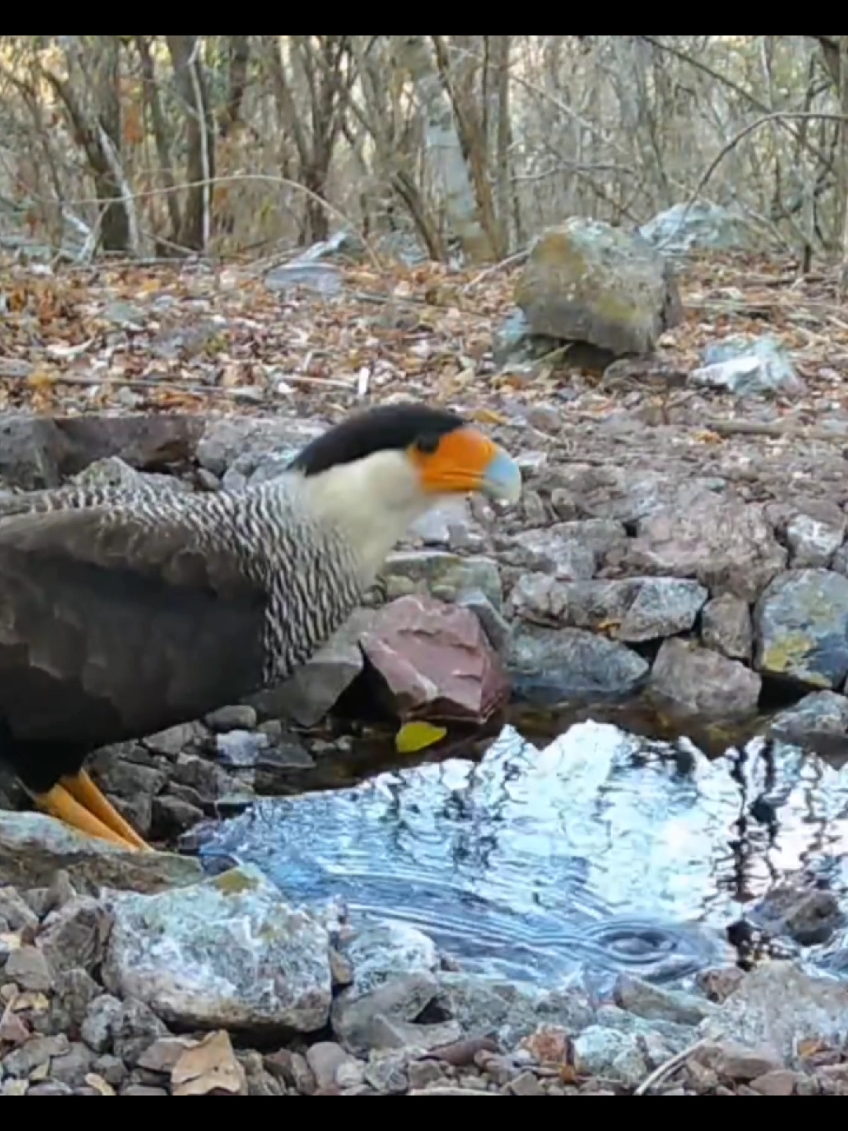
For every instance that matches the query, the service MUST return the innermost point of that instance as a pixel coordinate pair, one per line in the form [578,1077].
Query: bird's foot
[78,802]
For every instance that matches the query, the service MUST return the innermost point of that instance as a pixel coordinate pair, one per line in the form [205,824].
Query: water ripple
[601,852]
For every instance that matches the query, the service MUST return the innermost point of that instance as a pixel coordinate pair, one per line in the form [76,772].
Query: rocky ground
[679,539]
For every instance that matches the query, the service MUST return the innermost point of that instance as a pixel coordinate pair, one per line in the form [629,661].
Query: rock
[813,539]
[615,1056]
[227,952]
[125,1027]
[440,574]
[649,1001]
[525,1084]
[822,712]
[28,967]
[146,441]
[238,716]
[37,1052]
[315,687]
[700,225]
[72,1067]
[15,913]
[509,1012]
[587,281]
[777,1082]
[324,278]
[163,1054]
[697,681]
[246,443]
[31,451]
[496,628]
[726,627]
[241,748]
[748,367]
[74,937]
[544,549]
[325,1058]
[433,528]
[801,621]
[209,1067]
[552,665]
[33,846]
[726,545]
[738,1062]
[175,740]
[809,916]
[171,816]
[393,983]
[142,1090]
[601,535]
[435,661]
[779,1006]
[75,991]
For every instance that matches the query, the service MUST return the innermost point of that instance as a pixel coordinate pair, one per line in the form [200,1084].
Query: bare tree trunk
[239,46]
[160,136]
[444,148]
[200,139]
[114,223]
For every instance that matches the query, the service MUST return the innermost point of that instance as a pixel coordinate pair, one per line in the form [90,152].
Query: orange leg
[79,803]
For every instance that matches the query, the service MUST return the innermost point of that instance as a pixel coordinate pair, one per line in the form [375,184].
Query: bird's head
[382,468]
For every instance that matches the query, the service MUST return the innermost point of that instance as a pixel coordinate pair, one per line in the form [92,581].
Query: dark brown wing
[110,630]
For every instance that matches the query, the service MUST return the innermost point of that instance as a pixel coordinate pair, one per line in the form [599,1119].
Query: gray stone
[602,535]
[700,225]
[325,1058]
[33,846]
[241,748]
[525,1084]
[441,574]
[801,622]
[632,610]
[778,1006]
[814,538]
[28,967]
[614,1055]
[35,1053]
[509,1011]
[546,550]
[238,716]
[734,1061]
[315,687]
[248,441]
[74,937]
[726,545]
[15,913]
[393,982]
[551,665]
[175,740]
[820,711]
[227,952]
[776,1082]
[31,451]
[697,681]
[662,606]
[587,281]
[726,627]
[73,1066]
[748,367]
[497,629]
[649,1001]
[433,528]
[125,1027]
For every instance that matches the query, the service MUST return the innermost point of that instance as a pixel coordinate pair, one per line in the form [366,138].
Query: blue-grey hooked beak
[502,478]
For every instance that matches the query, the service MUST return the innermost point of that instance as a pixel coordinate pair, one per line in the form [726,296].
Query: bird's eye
[428,443]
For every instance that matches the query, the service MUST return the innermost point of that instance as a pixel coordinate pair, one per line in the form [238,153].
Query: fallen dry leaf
[210,1066]
[99,1084]
[416,736]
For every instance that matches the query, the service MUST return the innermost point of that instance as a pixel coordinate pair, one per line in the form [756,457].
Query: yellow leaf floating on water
[413,737]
